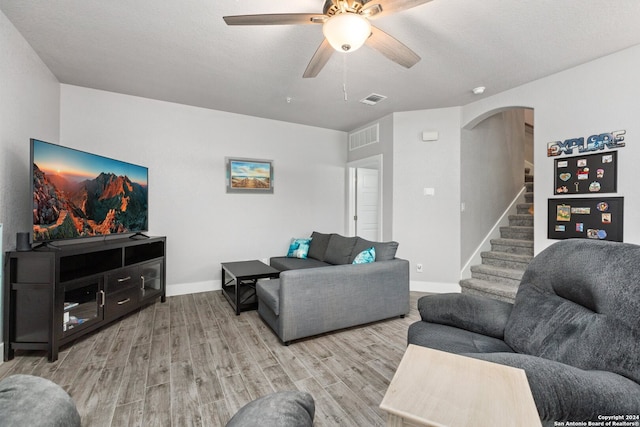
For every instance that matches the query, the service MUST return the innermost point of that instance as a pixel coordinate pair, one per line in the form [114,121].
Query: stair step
[496,290]
[523,208]
[512,246]
[517,232]
[525,220]
[492,273]
[506,260]
[501,271]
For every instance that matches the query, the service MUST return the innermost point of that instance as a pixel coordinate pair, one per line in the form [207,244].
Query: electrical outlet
[419,268]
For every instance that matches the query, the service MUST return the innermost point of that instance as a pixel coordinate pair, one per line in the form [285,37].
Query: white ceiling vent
[373,99]
[363,137]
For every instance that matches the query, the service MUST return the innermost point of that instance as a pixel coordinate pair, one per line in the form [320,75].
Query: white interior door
[367,215]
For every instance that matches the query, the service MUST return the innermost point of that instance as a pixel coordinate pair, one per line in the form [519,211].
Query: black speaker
[22,242]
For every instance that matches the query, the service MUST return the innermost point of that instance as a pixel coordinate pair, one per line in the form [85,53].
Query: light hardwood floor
[192,362]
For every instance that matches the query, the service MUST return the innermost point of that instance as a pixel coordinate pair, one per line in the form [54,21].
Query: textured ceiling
[182,51]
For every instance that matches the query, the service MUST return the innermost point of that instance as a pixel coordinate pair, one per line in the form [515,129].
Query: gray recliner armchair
[574,328]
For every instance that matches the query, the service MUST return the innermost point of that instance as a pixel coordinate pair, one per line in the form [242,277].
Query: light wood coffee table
[434,388]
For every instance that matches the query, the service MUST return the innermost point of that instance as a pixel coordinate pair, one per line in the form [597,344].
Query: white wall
[428,227]
[491,173]
[29,108]
[185,148]
[600,96]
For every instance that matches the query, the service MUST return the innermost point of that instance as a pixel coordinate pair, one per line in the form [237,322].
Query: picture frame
[599,218]
[587,174]
[249,176]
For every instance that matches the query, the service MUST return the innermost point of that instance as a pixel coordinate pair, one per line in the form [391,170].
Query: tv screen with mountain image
[78,194]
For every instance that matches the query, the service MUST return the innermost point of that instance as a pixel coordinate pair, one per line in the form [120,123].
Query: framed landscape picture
[249,175]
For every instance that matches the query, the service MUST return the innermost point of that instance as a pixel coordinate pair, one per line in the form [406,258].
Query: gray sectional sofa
[325,291]
[574,329]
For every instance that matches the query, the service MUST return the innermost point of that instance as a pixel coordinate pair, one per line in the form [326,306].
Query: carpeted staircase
[499,274]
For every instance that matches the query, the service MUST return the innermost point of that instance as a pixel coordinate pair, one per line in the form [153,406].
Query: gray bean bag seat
[27,400]
[281,409]
[574,328]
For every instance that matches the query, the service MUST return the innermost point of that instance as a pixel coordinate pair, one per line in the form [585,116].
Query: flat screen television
[78,194]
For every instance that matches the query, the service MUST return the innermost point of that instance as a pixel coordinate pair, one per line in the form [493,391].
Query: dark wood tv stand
[55,295]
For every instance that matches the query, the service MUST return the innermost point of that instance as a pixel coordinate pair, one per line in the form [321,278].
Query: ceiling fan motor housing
[332,7]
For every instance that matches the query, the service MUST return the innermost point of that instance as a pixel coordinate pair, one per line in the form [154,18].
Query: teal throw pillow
[366,256]
[299,248]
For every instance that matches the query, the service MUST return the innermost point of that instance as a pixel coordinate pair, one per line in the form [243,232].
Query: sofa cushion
[366,256]
[268,292]
[298,248]
[385,251]
[339,249]
[318,246]
[284,263]
[586,292]
[282,409]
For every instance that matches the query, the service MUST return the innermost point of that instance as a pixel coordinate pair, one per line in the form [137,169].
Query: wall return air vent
[373,99]
[363,137]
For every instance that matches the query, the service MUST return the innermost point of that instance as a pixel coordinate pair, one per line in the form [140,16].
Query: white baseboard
[193,288]
[434,287]
[216,285]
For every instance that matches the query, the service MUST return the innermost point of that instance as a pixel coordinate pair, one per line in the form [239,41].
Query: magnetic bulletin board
[595,173]
[597,218]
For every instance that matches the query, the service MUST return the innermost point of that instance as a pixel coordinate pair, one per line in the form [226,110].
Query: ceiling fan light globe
[347,32]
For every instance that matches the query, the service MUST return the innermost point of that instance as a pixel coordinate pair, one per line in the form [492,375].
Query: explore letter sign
[608,140]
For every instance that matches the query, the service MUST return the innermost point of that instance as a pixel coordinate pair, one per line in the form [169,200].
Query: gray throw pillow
[281,409]
[339,249]
[318,246]
[385,251]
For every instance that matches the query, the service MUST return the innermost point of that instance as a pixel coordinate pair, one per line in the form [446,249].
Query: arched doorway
[496,193]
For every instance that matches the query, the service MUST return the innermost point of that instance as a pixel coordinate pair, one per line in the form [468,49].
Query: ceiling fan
[346,27]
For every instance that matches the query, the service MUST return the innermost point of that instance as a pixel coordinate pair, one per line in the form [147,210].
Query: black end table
[239,282]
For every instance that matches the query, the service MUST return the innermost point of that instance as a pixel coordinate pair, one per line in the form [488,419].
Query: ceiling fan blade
[319,59]
[392,6]
[276,19]
[392,48]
